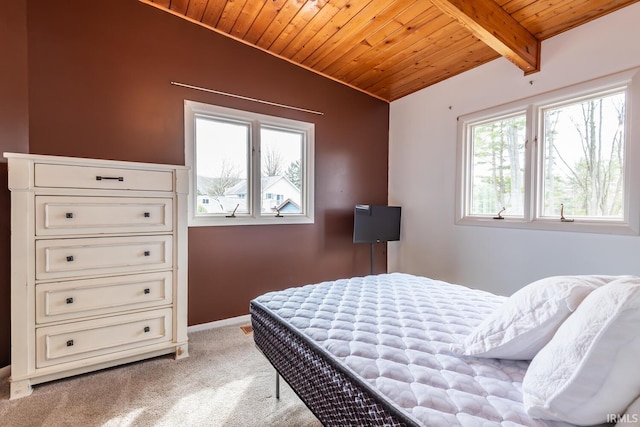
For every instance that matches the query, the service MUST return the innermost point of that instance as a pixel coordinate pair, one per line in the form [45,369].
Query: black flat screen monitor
[376,223]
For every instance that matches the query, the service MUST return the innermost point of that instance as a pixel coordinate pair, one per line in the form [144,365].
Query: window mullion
[303,173]
[255,170]
[468,145]
[531,165]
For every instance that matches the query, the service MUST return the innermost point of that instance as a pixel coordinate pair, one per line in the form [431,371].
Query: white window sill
[245,220]
[581,226]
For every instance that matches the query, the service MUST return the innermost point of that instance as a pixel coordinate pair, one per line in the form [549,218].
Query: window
[583,158]
[557,161]
[497,171]
[246,165]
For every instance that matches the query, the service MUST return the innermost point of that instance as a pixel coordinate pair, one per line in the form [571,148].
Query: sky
[219,141]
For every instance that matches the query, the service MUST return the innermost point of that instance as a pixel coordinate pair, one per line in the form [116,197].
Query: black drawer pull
[147,290]
[147,215]
[113,178]
[147,329]
[70,343]
[69,215]
[70,258]
[147,253]
[69,300]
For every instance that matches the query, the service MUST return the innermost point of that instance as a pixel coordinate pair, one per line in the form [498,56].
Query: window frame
[194,109]
[532,218]
[484,117]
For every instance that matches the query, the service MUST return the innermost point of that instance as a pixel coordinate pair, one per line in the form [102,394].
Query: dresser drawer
[71,176]
[93,297]
[60,215]
[66,258]
[81,340]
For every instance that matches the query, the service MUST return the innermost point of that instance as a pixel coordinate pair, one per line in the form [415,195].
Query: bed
[375,351]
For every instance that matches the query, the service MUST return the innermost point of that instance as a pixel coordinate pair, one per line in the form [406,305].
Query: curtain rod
[247,98]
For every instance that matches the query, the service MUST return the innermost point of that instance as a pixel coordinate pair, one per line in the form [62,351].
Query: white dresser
[98,265]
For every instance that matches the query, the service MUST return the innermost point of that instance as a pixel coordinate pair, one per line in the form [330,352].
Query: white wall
[422,169]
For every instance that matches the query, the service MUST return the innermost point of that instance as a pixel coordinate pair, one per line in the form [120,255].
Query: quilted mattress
[375,351]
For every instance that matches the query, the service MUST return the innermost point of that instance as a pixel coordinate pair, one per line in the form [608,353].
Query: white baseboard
[239,320]
[5,371]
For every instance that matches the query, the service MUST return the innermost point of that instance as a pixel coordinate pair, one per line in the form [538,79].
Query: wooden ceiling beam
[497,29]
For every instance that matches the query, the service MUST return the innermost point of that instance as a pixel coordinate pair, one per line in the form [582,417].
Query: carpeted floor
[225,381]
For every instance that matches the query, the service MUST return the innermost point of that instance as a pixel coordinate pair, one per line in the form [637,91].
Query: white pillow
[529,318]
[590,368]
[631,417]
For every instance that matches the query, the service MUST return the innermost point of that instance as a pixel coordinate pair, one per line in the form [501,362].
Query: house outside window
[246,164]
[559,161]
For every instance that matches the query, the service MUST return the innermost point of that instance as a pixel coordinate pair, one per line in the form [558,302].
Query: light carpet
[225,381]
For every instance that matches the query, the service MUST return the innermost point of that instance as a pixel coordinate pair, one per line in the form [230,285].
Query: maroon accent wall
[14,130]
[99,86]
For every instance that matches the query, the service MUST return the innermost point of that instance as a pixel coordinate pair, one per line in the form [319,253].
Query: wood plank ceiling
[389,48]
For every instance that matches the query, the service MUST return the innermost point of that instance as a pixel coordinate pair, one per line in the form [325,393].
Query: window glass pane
[497,171]
[584,158]
[281,169]
[222,149]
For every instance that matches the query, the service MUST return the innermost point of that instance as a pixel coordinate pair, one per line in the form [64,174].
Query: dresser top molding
[25,179]
[91,162]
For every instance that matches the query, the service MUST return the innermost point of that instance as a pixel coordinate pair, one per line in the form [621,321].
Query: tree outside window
[498,166]
[584,158]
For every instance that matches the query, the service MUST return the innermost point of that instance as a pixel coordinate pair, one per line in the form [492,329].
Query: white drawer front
[62,258]
[67,176]
[59,215]
[81,340]
[92,297]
